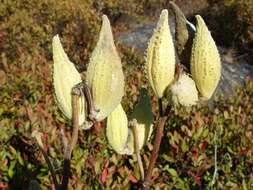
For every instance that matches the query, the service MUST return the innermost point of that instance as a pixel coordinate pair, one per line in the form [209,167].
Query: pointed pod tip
[163,18]
[199,19]
[56,38]
[106,31]
[200,23]
[164,12]
[105,22]
[173,4]
[56,43]
[105,18]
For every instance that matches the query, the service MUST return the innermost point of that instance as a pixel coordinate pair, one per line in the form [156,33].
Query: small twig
[137,150]
[49,164]
[75,123]
[64,139]
[215,160]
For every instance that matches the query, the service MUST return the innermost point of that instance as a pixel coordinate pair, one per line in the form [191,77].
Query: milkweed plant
[178,73]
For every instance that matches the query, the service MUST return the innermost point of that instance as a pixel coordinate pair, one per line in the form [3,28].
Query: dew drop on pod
[104,74]
[205,60]
[160,56]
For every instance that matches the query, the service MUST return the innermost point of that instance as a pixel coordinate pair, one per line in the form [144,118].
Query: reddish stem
[158,139]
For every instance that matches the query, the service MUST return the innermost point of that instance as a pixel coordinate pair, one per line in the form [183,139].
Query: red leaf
[133,179]
[197,180]
[3,186]
[104,175]
[203,146]
[251,176]
[195,153]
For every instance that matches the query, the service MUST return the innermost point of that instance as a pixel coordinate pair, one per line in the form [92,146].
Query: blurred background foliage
[27,103]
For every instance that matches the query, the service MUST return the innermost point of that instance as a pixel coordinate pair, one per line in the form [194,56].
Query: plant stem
[154,155]
[160,104]
[158,138]
[75,123]
[215,160]
[49,164]
[137,150]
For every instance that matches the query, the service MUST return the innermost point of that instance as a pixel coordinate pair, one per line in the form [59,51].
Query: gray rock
[234,71]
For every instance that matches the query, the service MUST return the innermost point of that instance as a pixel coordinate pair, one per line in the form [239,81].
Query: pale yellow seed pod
[104,74]
[205,60]
[143,133]
[160,56]
[65,77]
[184,91]
[117,130]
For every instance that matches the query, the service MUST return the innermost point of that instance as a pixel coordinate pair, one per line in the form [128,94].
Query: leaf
[104,175]
[34,185]
[172,172]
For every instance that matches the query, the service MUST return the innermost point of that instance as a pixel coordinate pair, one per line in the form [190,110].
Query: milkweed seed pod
[117,130]
[184,91]
[183,35]
[142,113]
[104,74]
[160,56]
[205,60]
[143,134]
[65,77]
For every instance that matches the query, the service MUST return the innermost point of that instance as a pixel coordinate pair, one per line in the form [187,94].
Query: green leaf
[172,172]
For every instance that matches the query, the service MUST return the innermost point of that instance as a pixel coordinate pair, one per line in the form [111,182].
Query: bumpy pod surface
[160,56]
[184,91]
[104,74]
[65,77]
[205,60]
[117,130]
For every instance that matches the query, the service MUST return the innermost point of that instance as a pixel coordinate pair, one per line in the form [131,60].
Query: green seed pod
[184,91]
[117,130]
[142,114]
[183,36]
[160,56]
[104,74]
[205,60]
[65,77]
